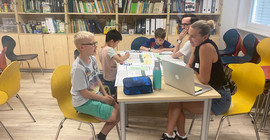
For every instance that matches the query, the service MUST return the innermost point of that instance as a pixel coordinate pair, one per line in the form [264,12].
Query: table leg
[126,115]
[122,120]
[205,119]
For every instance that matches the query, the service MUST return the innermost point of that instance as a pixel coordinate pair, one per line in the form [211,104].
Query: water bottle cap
[157,63]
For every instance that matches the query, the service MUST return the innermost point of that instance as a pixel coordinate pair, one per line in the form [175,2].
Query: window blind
[261,12]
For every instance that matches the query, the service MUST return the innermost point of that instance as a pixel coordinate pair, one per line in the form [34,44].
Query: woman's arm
[191,59]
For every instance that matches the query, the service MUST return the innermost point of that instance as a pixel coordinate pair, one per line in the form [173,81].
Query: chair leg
[6,130]
[40,66]
[265,112]
[31,71]
[25,107]
[118,131]
[9,106]
[191,124]
[219,127]
[229,123]
[257,114]
[59,128]
[79,127]
[255,126]
[93,131]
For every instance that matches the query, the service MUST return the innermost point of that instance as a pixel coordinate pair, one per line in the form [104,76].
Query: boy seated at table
[87,89]
[108,58]
[158,43]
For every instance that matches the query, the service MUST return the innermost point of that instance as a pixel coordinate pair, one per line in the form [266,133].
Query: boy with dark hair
[108,58]
[88,94]
[157,44]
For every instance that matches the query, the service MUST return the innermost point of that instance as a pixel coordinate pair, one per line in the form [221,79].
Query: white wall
[229,20]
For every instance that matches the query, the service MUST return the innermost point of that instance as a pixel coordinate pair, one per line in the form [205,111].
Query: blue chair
[76,54]
[249,49]
[233,41]
[137,43]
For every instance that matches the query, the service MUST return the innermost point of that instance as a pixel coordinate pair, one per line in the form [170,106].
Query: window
[260,12]
[254,17]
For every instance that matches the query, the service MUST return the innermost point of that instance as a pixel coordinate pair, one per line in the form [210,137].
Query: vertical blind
[261,12]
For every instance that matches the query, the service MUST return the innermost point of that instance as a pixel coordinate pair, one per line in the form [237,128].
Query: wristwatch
[149,49]
[179,41]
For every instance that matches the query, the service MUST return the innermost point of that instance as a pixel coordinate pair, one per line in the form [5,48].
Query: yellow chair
[249,79]
[60,86]
[10,86]
[3,100]
[263,50]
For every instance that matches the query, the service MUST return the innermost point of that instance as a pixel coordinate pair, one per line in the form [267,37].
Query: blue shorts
[96,108]
[221,105]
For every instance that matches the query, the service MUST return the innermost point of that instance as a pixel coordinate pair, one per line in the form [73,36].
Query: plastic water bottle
[157,76]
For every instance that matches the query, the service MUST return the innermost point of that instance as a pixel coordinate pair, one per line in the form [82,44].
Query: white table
[166,94]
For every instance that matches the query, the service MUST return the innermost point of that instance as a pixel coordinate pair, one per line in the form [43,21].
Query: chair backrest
[10,79]
[137,43]
[60,86]
[263,49]
[10,43]
[76,54]
[231,39]
[249,47]
[3,63]
[250,80]
[238,46]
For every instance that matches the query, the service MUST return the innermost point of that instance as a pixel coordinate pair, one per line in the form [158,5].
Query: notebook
[182,78]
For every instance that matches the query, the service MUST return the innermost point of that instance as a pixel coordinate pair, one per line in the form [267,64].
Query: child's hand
[108,100]
[156,50]
[127,54]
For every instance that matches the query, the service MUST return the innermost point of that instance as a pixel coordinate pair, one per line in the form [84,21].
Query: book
[134,8]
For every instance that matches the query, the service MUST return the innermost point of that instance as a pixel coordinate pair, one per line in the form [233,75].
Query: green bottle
[157,76]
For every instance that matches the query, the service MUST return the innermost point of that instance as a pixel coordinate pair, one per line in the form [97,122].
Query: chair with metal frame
[10,86]
[248,48]
[264,51]
[137,43]
[60,86]
[233,43]
[10,43]
[250,80]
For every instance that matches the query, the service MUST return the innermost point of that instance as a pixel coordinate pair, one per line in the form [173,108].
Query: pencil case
[137,85]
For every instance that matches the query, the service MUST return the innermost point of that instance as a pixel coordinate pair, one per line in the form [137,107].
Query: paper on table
[197,88]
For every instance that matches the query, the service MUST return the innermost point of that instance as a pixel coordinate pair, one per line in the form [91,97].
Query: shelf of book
[130,17]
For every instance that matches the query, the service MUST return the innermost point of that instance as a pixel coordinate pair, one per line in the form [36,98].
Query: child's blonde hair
[81,36]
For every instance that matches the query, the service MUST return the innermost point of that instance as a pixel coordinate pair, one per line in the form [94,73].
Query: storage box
[9,21]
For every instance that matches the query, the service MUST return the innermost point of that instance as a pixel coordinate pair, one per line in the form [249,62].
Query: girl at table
[207,65]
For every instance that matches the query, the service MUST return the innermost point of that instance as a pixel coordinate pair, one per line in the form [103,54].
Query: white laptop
[182,78]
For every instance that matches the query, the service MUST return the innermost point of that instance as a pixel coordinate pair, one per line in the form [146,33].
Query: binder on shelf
[216,6]
[147,26]
[153,26]
[143,26]
[204,6]
[209,6]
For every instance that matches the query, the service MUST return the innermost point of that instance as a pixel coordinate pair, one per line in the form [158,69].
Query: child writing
[108,58]
[87,89]
[157,44]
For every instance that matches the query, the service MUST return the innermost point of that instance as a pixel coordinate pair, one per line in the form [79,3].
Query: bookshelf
[56,49]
